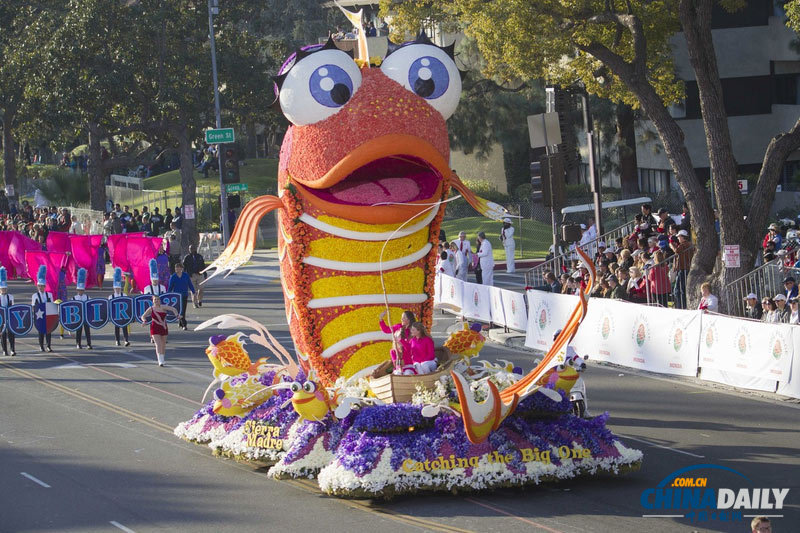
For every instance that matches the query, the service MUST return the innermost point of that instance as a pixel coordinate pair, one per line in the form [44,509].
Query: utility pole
[594,179]
[213,9]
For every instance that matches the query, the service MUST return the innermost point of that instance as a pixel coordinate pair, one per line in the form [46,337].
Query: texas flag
[46,317]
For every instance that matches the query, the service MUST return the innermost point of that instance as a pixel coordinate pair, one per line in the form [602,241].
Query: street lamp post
[213,9]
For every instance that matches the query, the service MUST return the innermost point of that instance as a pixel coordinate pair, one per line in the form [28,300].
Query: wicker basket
[392,388]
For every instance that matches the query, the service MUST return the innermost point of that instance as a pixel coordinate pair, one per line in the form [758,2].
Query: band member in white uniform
[81,296]
[118,294]
[486,259]
[6,301]
[507,238]
[42,296]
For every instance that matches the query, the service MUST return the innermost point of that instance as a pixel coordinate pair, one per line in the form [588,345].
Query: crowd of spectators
[649,265]
[36,222]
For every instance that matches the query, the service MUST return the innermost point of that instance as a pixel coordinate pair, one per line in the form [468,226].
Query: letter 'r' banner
[121,311]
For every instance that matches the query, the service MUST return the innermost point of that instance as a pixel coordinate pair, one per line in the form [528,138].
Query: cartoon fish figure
[466,342]
[229,357]
[363,170]
[563,377]
[311,401]
[239,397]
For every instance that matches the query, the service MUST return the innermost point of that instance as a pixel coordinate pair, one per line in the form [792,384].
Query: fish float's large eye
[318,86]
[296,386]
[427,71]
[309,387]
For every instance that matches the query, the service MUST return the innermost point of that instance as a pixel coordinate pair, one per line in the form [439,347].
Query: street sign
[220,136]
[742,186]
[544,130]
[732,256]
[236,187]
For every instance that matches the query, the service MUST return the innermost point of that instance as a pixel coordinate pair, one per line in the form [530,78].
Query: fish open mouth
[387,179]
[393,179]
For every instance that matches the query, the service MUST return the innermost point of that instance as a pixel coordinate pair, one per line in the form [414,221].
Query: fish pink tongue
[372,192]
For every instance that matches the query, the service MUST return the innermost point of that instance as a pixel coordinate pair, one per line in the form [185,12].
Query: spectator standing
[664,222]
[465,250]
[753,308]
[782,308]
[507,238]
[658,277]
[684,250]
[177,218]
[194,264]
[116,224]
[552,282]
[791,287]
[5,209]
[771,315]
[794,314]
[444,265]
[649,219]
[174,239]
[167,218]
[708,302]
[485,259]
[157,221]
[181,283]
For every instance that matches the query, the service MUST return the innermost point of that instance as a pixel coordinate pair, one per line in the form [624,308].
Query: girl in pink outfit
[402,337]
[423,356]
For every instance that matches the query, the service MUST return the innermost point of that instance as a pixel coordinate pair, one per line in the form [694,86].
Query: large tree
[621,50]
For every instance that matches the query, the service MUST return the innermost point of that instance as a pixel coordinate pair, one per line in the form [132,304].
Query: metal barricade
[766,280]
[669,264]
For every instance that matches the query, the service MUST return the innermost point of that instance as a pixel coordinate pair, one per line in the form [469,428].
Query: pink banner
[58,241]
[53,261]
[139,251]
[13,246]
[84,253]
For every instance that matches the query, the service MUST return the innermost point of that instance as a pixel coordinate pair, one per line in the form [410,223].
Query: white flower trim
[306,466]
[235,444]
[336,479]
[192,430]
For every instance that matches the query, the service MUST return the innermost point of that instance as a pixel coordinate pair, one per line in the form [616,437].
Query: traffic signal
[548,179]
[536,182]
[230,165]
[562,101]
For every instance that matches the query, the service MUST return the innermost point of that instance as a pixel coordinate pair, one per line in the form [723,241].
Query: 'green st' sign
[220,136]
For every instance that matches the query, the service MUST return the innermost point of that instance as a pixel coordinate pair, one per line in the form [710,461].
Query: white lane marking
[663,447]
[120,526]
[662,516]
[174,368]
[35,480]
[767,515]
[87,365]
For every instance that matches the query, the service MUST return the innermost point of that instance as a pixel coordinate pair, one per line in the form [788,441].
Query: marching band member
[155,286]
[118,293]
[6,301]
[158,326]
[42,296]
[82,297]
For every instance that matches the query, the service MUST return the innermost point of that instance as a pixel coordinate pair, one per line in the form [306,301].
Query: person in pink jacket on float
[402,336]
[423,357]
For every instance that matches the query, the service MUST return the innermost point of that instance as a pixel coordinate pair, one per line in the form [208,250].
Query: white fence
[733,351]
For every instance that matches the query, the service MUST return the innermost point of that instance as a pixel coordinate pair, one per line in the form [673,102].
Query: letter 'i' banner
[121,311]
[172,299]
[96,312]
[70,314]
[20,319]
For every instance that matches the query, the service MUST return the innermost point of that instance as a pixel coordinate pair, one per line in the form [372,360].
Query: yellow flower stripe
[354,322]
[337,249]
[372,354]
[410,281]
[358,226]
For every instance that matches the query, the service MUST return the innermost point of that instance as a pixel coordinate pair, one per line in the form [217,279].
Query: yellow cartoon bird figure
[229,357]
[239,398]
[466,342]
[311,401]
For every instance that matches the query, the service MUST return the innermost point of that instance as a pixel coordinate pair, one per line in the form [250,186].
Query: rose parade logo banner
[121,311]
[711,493]
[71,315]
[20,319]
[476,302]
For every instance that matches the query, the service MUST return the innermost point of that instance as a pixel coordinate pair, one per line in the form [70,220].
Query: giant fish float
[363,178]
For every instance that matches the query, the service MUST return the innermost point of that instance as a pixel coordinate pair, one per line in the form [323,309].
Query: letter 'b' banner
[71,315]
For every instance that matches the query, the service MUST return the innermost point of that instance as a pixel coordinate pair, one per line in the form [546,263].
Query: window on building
[786,88]
[752,13]
[741,96]
[653,180]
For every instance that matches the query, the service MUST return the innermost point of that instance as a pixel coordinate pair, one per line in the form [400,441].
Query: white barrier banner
[476,304]
[548,312]
[452,293]
[741,381]
[638,336]
[791,386]
[745,347]
[498,316]
[437,290]
[516,314]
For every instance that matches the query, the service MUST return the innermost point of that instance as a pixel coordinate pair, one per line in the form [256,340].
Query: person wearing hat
[753,308]
[680,266]
[664,221]
[6,301]
[782,308]
[507,238]
[42,296]
[155,286]
[773,235]
[81,296]
[769,252]
[119,293]
[485,259]
[794,315]
[790,286]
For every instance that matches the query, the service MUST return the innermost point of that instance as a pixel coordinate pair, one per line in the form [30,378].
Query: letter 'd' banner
[20,319]
[96,312]
[141,304]
[173,299]
[121,311]
[71,315]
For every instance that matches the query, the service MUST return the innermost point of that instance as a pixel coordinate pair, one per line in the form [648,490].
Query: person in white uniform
[6,300]
[41,296]
[486,259]
[507,238]
[465,250]
[155,287]
[81,296]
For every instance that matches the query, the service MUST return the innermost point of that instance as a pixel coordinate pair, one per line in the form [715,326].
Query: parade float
[363,181]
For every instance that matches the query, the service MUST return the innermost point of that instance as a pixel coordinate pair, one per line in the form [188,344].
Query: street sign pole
[223,196]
